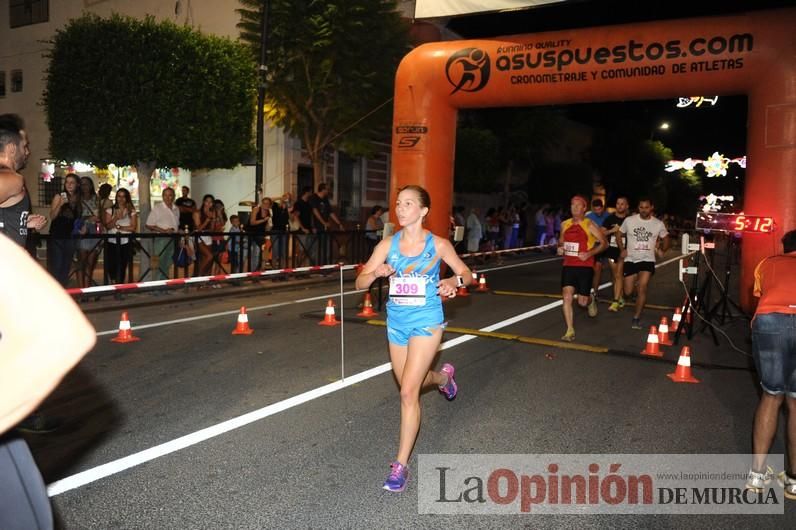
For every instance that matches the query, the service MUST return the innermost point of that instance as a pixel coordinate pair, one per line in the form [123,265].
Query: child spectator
[238,252]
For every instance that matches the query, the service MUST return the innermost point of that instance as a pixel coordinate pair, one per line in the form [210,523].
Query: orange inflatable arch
[752,54]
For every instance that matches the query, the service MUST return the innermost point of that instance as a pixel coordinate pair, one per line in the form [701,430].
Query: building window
[16,80]
[26,12]
[2,83]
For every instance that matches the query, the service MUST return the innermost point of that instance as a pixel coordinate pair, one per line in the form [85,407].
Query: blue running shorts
[401,336]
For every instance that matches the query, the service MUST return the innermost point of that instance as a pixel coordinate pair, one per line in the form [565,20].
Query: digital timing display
[734,222]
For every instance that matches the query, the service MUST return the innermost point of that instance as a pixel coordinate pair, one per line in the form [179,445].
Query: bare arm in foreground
[43,334]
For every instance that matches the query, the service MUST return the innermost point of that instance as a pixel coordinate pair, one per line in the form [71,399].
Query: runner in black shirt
[611,229]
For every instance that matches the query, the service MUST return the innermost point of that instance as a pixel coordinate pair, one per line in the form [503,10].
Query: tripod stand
[698,296]
[724,300]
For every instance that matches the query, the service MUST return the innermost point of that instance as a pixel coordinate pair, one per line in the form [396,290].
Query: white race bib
[641,246]
[571,248]
[408,290]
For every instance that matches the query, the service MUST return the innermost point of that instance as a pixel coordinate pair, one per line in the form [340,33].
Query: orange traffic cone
[482,286]
[663,332]
[682,374]
[125,331]
[652,349]
[328,318]
[367,308]
[676,320]
[242,328]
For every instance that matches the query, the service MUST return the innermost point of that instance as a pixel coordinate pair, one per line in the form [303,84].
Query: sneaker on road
[592,308]
[788,483]
[396,480]
[758,481]
[621,303]
[614,307]
[449,389]
[636,324]
[569,336]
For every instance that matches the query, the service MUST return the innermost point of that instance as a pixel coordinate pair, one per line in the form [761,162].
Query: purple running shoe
[449,389]
[396,480]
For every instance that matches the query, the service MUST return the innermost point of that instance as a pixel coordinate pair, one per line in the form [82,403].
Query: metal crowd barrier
[157,260]
[231,252]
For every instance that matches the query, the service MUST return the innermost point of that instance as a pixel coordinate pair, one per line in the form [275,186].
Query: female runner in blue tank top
[411,260]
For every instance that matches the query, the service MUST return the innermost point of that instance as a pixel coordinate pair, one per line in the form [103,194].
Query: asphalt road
[320,464]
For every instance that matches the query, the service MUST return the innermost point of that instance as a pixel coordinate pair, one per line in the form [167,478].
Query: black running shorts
[612,253]
[577,277]
[632,268]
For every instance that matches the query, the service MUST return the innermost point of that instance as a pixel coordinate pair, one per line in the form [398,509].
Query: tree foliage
[493,144]
[123,90]
[555,182]
[477,160]
[629,164]
[329,64]
[145,93]
[682,191]
[528,133]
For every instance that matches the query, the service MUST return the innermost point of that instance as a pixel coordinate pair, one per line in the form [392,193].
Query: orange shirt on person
[775,284]
[577,238]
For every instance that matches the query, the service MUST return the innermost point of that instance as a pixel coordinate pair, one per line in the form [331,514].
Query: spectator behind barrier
[91,223]
[121,218]
[65,213]
[164,220]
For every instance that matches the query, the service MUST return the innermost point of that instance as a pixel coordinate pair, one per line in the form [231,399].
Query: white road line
[515,265]
[116,466]
[280,304]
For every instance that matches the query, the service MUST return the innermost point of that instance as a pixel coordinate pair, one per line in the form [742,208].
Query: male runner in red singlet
[577,245]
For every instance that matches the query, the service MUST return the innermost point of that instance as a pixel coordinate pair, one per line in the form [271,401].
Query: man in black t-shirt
[322,212]
[280,217]
[307,242]
[322,217]
[304,208]
[611,229]
[15,207]
[187,206]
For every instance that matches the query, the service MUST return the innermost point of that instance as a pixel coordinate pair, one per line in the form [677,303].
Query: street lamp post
[261,71]
[664,126]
